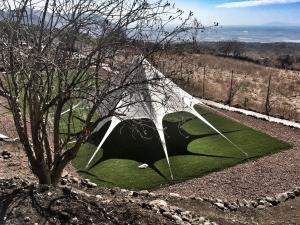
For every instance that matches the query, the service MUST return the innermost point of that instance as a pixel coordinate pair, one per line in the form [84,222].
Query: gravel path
[269,175]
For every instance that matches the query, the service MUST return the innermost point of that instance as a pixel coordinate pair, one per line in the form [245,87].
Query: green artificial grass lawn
[194,150]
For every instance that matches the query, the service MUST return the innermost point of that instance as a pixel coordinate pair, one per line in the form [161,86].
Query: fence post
[230,89]
[203,82]
[267,104]
[181,74]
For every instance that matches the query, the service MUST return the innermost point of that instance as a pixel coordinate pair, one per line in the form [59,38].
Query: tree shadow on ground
[36,204]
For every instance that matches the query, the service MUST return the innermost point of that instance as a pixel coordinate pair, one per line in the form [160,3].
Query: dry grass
[250,82]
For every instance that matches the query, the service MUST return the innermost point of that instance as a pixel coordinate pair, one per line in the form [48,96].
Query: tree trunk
[42,172]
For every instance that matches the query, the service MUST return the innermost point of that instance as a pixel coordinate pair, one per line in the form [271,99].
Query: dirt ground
[22,203]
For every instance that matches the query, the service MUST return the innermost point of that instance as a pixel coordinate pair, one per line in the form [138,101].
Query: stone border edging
[250,113]
[156,202]
[260,203]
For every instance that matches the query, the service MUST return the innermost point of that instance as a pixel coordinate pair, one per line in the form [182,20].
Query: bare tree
[284,61]
[66,65]
[230,48]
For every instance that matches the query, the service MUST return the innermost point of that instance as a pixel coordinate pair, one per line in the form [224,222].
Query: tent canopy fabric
[152,98]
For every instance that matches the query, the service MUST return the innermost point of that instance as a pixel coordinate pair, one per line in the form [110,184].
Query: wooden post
[203,82]
[267,104]
[230,89]
[181,73]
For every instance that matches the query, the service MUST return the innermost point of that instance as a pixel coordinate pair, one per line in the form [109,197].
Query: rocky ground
[78,201]
[264,191]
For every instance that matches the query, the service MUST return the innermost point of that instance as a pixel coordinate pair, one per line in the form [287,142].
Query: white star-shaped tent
[153,101]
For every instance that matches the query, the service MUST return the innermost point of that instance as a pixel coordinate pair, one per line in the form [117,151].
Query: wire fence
[273,92]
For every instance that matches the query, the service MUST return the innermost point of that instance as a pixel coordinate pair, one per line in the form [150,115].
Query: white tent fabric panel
[153,101]
[114,122]
[102,123]
[160,130]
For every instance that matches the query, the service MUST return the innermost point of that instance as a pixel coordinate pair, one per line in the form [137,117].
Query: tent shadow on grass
[143,145]
[193,147]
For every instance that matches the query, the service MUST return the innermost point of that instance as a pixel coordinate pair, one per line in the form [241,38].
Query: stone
[233,207]
[27,219]
[134,194]
[163,209]
[5,154]
[151,194]
[201,219]
[291,194]
[63,181]
[199,199]
[220,205]
[271,200]
[249,205]
[112,191]
[74,220]
[98,197]
[124,190]
[261,202]
[267,204]
[75,180]
[185,213]
[156,209]
[174,195]
[176,218]
[254,203]
[58,202]
[64,174]
[245,202]
[185,218]
[241,204]
[219,200]
[91,184]
[282,197]
[159,202]
[261,207]
[175,209]
[144,192]
[168,215]
[193,197]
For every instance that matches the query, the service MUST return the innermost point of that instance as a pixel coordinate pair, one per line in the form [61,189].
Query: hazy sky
[243,12]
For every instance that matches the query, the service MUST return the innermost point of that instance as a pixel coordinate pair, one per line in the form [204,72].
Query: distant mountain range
[281,24]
